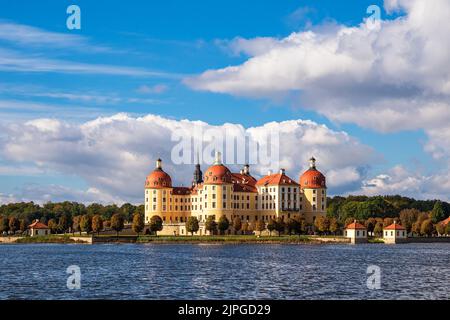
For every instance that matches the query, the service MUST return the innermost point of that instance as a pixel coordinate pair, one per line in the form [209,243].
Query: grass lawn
[227,238]
[54,238]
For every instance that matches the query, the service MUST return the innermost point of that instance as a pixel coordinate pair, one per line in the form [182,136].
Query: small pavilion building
[38,228]
[394,233]
[356,232]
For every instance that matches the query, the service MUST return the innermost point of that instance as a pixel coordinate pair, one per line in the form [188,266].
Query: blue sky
[145,50]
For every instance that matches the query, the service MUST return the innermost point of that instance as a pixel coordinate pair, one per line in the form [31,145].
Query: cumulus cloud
[114,154]
[374,77]
[400,180]
[389,78]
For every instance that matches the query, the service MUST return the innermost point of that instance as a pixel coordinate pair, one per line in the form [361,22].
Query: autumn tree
[76,224]
[192,225]
[138,223]
[440,228]
[237,224]
[211,225]
[14,224]
[156,224]
[23,225]
[447,229]
[53,226]
[117,223]
[322,224]
[408,217]
[334,226]
[370,225]
[223,224]
[426,228]
[97,224]
[86,223]
[261,226]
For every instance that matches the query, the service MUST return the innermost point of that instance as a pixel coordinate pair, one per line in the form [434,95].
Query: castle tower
[198,175]
[314,192]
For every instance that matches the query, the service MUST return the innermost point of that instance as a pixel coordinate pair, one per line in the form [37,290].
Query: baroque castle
[221,192]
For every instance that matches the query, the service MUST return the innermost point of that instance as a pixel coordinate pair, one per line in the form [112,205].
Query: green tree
[65,221]
[117,223]
[261,226]
[237,224]
[138,223]
[211,225]
[223,224]
[280,226]
[14,224]
[97,224]
[426,228]
[293,226]
[378,230]
[23,225]
[86,223]
[128,211]
[272,225]
[192,225]
[437,214]
[156,224]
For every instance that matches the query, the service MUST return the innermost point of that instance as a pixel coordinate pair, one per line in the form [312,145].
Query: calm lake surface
[253,271]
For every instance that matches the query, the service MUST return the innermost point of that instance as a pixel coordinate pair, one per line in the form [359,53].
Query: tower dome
[217,173]
[158,178]
[312,178]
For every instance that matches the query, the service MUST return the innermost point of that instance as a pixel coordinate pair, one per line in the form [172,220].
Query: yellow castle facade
[221,192]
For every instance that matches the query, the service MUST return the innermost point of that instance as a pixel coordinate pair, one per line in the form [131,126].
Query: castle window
[213,204]
[224,205]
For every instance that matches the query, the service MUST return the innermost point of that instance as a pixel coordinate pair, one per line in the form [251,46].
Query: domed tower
[217,190]
[313,201]
[158,187]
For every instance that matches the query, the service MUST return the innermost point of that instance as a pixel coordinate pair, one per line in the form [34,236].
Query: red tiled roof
[395,226]
[217,174]
[276,179]
[38,225]
[445,222]
[312,179]
[355,225]
[158,179]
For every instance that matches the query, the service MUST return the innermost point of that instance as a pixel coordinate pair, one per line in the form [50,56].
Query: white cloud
[156,89]
[376,78]
[114,154]
[399,180]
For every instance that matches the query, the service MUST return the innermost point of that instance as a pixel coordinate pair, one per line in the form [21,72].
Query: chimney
[282,171]
[246,169]
[269,173]
[242,171]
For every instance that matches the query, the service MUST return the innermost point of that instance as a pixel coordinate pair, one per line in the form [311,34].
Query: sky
[85,113]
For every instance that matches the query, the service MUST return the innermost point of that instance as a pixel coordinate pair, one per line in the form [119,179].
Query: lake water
[253,271]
